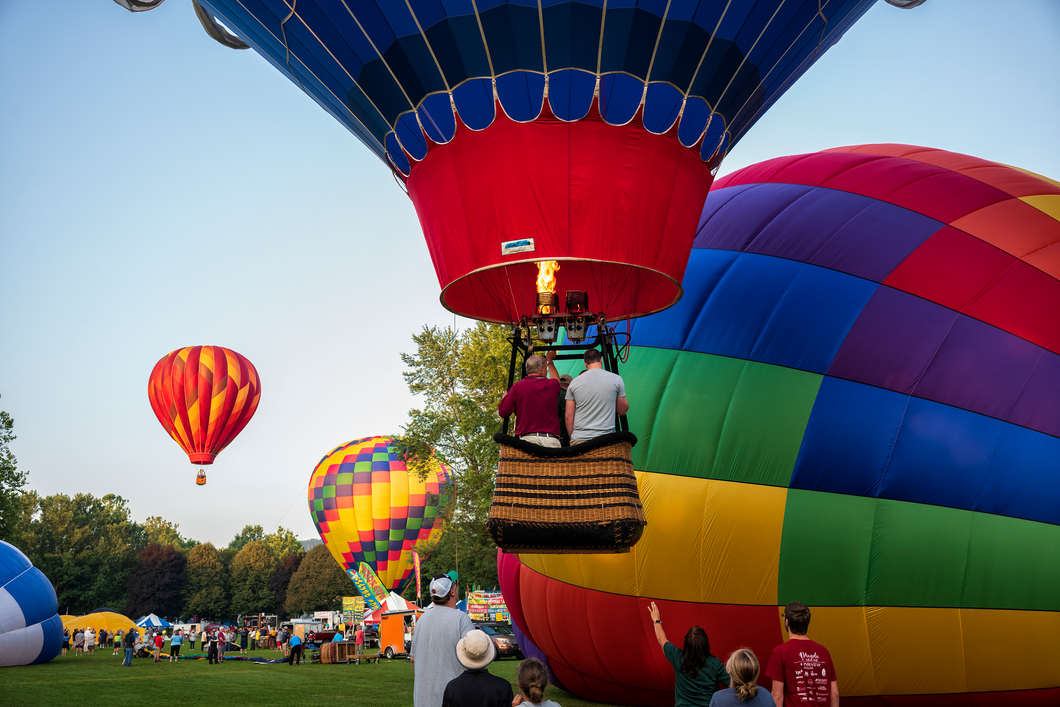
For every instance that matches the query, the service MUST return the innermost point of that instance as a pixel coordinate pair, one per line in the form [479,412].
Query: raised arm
[553,373]
[660,634]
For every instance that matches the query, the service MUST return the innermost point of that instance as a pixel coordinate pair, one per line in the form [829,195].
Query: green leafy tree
[206,583]
[226,555]
[156,583]
[251,570]
[85,546]
[281,578]
[248,534]
[319,584]
[163,532]
[11,482]
[461,376]
[283,543]
[470,551]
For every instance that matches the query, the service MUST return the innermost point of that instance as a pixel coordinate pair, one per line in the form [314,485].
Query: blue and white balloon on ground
[30,628]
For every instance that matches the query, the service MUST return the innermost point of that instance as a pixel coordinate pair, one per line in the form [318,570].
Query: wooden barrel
[579,499]
[329,653]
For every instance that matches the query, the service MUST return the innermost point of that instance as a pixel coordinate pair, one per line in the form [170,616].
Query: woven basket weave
[579,502]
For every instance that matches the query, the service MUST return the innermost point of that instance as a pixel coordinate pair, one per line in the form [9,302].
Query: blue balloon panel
[620,97]
[693,121]
[475,104]
[522,94]
[662,105]
[385,57]
[570,93]
[30,628]
[866,441]
[436,117]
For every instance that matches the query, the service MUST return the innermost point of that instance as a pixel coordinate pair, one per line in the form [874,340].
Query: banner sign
[416,564]
[362,586]
[372,581]
[353,609]
[487,606]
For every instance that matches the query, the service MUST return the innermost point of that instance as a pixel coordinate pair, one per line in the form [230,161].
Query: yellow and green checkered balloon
[369,507]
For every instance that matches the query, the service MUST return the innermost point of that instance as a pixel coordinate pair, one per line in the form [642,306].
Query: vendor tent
[392,603]
[153,621]
[108,620]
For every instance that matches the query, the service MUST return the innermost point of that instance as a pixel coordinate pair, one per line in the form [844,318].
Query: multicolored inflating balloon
[31,630]
[579,131]
[369,507]
[856,405]
[204,396]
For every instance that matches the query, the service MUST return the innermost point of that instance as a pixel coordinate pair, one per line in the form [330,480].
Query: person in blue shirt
[295,655]
[174,646]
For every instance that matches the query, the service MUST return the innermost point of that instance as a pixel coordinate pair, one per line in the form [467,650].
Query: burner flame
[546,275]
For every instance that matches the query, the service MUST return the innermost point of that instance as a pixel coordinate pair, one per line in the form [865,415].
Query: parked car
[315,639]
[503,638]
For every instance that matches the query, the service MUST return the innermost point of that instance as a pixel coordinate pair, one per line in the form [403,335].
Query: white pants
[542,440]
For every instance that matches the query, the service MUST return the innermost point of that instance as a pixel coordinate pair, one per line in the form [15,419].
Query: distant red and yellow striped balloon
[204,396]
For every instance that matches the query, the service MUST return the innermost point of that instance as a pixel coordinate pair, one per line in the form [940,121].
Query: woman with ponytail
[698,673]
[532,680]
[743,668]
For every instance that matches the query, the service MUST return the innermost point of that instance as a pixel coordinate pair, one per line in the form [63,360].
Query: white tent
[152,621]
[392,603]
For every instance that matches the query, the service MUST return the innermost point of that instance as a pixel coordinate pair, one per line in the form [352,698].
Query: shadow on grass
[100,679]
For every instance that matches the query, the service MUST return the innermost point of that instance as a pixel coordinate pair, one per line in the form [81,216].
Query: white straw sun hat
[476,649]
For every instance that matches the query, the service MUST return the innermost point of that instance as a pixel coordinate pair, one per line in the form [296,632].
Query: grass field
[99,679]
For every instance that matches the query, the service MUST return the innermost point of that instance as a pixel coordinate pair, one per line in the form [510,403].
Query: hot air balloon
[856,405]
[582,133]
[369,507]
[31,630]
[204,396]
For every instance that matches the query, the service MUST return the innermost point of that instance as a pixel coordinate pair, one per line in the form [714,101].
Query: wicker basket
[580,499]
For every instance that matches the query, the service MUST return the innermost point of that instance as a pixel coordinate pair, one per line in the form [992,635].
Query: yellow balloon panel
[884,650]
[724,534]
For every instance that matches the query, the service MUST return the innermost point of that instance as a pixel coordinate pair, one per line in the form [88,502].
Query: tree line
[96,556]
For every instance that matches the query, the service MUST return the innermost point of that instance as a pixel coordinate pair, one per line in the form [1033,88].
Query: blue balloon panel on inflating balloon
[30,628]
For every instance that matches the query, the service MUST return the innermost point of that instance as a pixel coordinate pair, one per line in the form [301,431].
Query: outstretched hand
[653,611]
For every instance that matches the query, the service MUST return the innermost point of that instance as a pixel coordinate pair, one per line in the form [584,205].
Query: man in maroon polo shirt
[533,400]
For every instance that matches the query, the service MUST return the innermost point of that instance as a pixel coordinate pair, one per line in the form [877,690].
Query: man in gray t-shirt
[593,400]
[433,652]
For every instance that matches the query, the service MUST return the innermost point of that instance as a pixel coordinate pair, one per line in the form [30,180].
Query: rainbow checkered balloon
[369,507]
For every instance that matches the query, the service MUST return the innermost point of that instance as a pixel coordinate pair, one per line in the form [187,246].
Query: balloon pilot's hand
[550,355]
[653,611]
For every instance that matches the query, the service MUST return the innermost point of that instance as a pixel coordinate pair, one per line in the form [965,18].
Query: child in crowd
[533,679]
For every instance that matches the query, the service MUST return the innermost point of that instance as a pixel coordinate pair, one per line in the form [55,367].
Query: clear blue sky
[158,190]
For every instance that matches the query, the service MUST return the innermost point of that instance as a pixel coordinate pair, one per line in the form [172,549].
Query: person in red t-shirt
[533,400]
[801,669]
[158,645]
